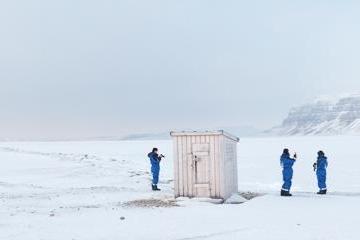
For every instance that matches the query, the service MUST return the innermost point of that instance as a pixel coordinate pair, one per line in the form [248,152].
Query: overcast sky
[103,68]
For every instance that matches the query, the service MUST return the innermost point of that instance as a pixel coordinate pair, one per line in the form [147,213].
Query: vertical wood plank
[208,165]
[203,164]
[217,166]
[181,174]
[236,187]
[212,167]
[226,173]
[176,166]
[189,168]
[221,166]
[185,165]
[194,192]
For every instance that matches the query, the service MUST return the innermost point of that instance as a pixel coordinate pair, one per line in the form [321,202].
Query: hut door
[200,165]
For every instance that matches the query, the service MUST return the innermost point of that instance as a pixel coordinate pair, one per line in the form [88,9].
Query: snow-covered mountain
[323,117]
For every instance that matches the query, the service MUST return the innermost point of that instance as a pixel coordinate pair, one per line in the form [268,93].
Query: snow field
[77,190]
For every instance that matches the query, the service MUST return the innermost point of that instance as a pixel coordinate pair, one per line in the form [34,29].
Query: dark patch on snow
[151,203]
[250,195]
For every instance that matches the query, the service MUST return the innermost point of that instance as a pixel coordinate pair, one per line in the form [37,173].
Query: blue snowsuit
[321,165]
[155,166]
[286,163]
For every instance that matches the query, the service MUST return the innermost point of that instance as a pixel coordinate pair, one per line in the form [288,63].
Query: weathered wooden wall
[217,177]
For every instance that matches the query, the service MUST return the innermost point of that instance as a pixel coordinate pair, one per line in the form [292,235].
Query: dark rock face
[323,118]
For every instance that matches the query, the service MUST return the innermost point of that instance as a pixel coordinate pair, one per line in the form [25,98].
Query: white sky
[103,68]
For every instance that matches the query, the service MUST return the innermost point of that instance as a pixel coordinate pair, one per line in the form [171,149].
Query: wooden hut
[205,164]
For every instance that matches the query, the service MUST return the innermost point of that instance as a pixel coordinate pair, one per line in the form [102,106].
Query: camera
[314,166]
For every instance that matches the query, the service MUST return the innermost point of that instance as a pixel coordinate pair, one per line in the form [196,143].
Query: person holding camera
[320,168]
[287,163]
[155,160]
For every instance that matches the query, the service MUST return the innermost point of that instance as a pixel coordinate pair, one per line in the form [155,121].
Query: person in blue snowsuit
[287,163]
[320,168]
[155,160]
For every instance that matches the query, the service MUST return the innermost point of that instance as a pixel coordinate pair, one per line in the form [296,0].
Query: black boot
[155,188]
[284,193]
[322,192]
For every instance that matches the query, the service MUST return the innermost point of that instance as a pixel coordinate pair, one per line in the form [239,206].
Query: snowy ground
[78,190]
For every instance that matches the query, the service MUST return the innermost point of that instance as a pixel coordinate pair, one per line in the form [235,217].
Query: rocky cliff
[323,118]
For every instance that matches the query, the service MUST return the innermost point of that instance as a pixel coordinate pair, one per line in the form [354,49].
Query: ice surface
[101,190]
